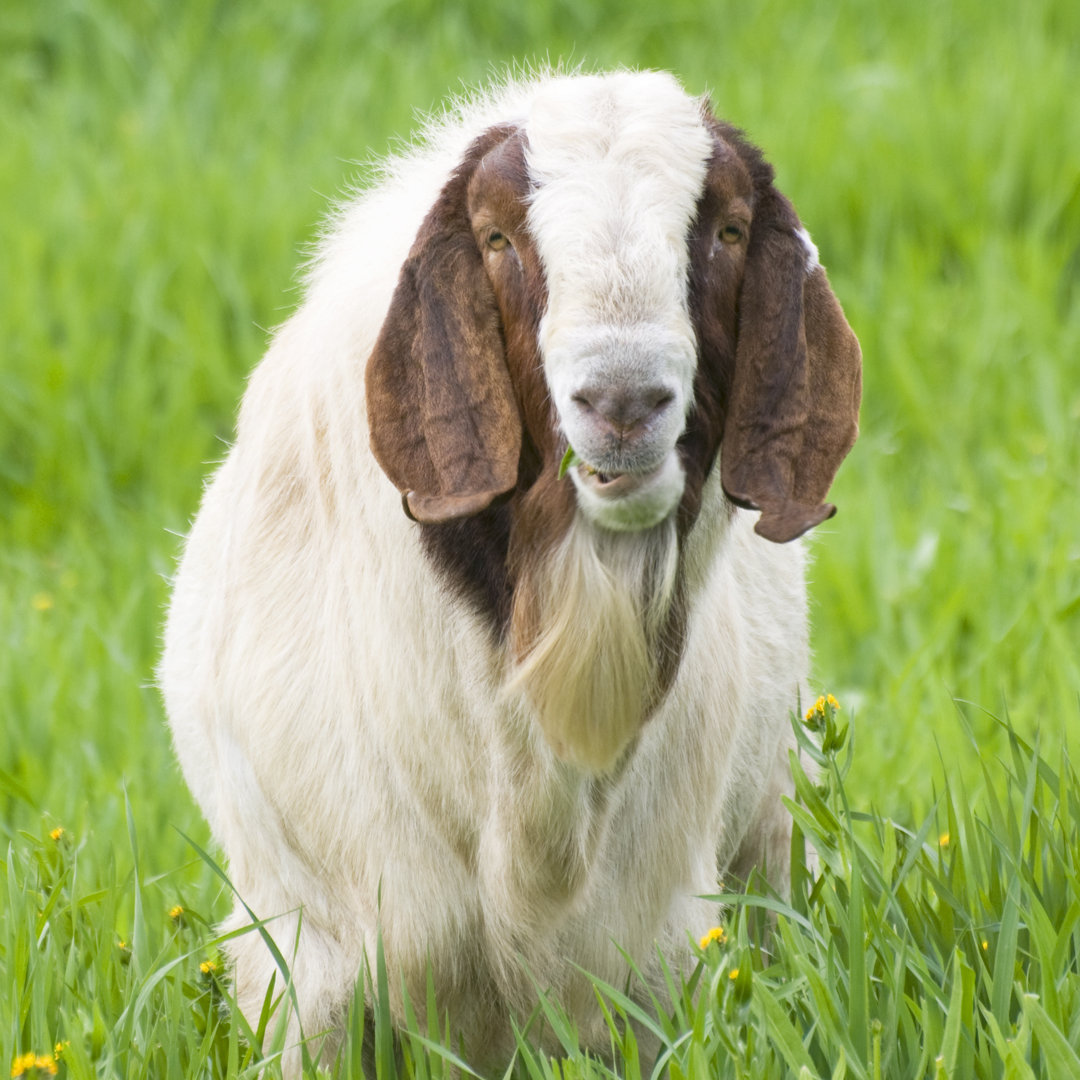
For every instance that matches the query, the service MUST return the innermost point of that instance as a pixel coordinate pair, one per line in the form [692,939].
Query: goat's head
[618,274]
[614,272]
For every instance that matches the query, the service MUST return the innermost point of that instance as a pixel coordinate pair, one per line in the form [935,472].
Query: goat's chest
[568,863]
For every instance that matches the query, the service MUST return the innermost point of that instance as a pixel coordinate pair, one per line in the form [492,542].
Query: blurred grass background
[164,167]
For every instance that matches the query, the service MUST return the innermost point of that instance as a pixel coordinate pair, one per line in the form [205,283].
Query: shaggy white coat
[343,718]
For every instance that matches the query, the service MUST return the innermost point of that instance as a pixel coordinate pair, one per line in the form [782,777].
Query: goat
[529,721]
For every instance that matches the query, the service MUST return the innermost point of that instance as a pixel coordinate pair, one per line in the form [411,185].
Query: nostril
[660,399]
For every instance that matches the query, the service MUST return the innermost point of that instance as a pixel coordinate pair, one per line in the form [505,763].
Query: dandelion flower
[21,1063]
[733,974]
[717,934]
[43,1063]
[56,833]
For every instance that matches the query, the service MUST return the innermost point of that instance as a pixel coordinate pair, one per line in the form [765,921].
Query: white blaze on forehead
[618,162]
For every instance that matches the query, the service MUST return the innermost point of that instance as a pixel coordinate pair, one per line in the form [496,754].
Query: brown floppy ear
[442,414]
[794,405]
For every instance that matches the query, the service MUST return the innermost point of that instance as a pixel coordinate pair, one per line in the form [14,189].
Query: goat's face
[618,275]
[618,169]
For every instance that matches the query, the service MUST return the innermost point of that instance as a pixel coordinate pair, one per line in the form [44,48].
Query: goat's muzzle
[623,415]
[630,501]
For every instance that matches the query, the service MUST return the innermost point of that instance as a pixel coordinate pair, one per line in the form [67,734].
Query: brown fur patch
[441,409]
[793,402]
[716,273]
[489,555]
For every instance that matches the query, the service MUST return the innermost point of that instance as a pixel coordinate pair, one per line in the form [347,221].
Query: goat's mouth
[629,501]
[614,485]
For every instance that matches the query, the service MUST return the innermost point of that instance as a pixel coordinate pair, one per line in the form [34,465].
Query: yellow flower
[208,967]
[21,1063]
[733,974]
[58,1050]
[818,708]
[25,1062]
[943,840]
[42,601]
[717,934]
[56,833]
[985,945]
[176,913]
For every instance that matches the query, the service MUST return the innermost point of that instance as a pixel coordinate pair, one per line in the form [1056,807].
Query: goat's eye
[496,240]
[731,234]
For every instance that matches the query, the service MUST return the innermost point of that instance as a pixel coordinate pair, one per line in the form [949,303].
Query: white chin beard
[630,502]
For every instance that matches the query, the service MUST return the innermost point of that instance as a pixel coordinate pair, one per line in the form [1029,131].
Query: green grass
[950,948]
[163,168]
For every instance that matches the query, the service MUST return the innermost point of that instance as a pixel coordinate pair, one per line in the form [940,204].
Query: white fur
[603,607]
[813,259]
[342,716]
[620,161]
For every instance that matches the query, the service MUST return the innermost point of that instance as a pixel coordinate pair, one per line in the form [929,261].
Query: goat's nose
[623,410]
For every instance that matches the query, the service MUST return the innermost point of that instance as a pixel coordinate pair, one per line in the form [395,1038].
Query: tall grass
[948,947]
[163,168]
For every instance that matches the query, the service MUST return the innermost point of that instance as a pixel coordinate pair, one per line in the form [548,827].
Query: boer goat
[530,720]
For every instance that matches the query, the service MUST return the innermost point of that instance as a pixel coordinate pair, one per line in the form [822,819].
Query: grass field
[163,168]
